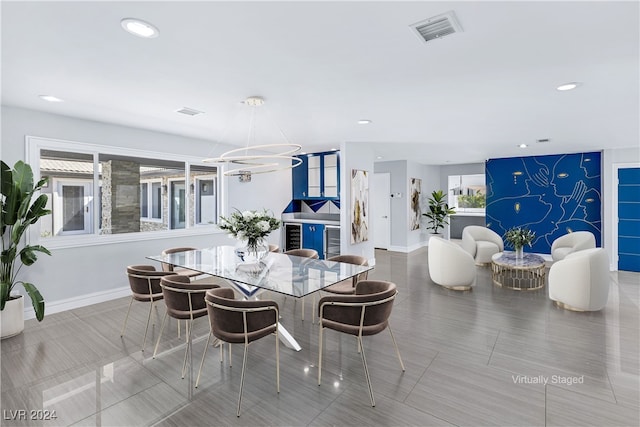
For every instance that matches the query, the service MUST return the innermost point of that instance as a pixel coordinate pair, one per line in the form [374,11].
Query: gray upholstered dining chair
[184,301]
[240,322]
[178,270]
[144,281]
[345,287]
[305,253]
[364,313]
[348,287]
[310,254]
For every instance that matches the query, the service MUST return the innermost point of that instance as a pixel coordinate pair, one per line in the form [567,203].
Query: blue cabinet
[299,179]
[317,177]
[313,238]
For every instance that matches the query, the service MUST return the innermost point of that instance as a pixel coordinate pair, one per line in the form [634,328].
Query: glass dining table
[277,272]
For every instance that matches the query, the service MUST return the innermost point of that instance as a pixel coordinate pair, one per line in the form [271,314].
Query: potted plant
[517,237]
[17,215]
[438,211]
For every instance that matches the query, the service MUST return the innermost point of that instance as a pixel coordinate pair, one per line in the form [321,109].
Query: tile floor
[472,358]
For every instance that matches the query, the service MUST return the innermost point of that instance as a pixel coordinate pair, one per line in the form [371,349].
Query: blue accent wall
[551,195]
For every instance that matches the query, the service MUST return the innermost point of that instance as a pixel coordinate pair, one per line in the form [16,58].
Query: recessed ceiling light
[334,149]
[50,98]
[568,86]
[364,122]
[139,28]
[523,145]
[379,157]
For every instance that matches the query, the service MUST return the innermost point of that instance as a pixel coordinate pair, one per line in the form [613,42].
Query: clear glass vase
[519,252]
[252,251]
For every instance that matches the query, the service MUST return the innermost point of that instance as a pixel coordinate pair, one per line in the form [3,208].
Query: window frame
[33,147]
[150,217]
[197,198]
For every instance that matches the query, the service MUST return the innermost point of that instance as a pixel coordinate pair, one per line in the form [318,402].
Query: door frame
[614,226]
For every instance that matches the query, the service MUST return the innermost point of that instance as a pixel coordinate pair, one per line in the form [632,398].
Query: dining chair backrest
[366,312]
[305,253]
[144,281]
[240,321]
[169,267]
[184,299]
[356,260]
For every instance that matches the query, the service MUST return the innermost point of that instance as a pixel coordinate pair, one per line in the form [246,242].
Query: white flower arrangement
[250,226]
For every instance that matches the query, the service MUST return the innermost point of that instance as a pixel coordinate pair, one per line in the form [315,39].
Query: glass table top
[278,272]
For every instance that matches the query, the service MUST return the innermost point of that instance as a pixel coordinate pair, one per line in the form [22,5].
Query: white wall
[87,274]
[401,171]
[397,171]
[359,156]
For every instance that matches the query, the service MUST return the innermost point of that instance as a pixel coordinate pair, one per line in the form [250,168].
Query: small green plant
[438,211]
[18,214]
[472,201]
[517,237]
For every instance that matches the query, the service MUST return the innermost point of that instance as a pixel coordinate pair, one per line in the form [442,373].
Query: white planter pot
[12,317]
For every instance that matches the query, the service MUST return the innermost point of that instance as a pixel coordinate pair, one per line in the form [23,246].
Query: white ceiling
[321,66]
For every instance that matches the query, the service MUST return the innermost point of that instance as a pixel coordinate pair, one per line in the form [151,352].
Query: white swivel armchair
[481,243]
[572,242]
[450,266]
[580,281]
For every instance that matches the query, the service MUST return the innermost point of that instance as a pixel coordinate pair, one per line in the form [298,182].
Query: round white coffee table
[521,274]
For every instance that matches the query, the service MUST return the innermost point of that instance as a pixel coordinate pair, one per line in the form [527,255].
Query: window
[151,200]
[205,187]
[468,193]
[133,193]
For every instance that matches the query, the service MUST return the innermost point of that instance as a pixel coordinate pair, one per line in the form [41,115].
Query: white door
[381,210]
[72,206]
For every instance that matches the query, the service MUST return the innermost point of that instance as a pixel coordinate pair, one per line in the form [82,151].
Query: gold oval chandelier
[254,160]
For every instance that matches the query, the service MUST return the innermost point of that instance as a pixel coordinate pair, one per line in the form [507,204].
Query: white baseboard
[76,302]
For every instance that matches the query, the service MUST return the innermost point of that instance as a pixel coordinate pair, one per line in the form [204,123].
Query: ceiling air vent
[189,111]
[437,27]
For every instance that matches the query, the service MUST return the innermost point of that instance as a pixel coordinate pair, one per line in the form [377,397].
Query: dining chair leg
[124,326]
[320,352]
[396,346]
[244,363]
[144,340]
[206,346]
[230,355]
[366,371]
[187,351]
[302,309]
[277,362]
[164,319]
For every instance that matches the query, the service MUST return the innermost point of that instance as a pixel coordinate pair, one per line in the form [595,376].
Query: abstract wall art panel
[551,195]
[415,212]
[359,206]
